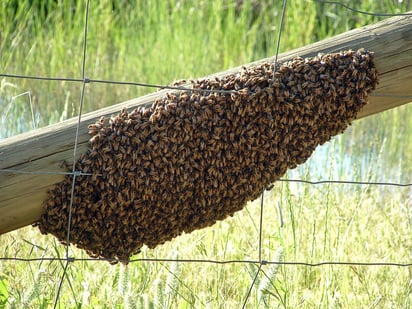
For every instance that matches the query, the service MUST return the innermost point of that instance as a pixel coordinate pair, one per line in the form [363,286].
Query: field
[162,41]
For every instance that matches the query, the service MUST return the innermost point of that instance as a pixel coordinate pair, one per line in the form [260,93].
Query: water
[337,160]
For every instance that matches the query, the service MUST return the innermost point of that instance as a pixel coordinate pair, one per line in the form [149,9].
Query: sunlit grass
[159,42]
[356,227]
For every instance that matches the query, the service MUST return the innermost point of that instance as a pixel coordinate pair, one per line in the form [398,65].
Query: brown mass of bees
[197,157]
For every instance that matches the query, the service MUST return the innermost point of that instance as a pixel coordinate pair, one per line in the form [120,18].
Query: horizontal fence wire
[115,82]
[260,261]
[311,182]
[208,261]
[158,86]
[363,12]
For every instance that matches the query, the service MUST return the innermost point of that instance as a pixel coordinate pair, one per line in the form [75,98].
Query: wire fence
[260,261]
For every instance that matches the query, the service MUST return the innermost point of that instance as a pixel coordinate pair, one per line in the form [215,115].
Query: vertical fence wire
[262,198]
[76,138]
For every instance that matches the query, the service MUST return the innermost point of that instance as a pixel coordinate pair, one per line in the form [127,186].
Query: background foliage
[162,41]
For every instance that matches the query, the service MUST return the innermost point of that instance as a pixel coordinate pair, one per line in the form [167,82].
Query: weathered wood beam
[40,152]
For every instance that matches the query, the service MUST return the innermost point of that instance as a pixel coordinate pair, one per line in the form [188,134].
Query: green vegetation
[162,41]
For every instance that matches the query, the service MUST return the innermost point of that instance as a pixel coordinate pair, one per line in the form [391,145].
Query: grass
[161,41]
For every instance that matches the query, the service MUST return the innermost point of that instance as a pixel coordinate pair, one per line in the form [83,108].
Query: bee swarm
[197,157]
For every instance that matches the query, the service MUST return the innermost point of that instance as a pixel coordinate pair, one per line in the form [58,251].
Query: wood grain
[41,151]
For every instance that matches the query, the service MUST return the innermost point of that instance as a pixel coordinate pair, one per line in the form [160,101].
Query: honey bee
[232,144]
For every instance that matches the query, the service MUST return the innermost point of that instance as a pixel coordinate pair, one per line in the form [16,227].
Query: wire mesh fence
[264,263]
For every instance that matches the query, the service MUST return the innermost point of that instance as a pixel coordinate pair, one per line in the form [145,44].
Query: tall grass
[159,42]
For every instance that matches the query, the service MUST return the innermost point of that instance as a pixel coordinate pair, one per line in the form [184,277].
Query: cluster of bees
[197,157]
